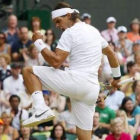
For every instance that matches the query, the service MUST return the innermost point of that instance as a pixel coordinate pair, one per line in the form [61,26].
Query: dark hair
[67,100]
[125,100]
[74,15]
[97,112]
[1,33]
[134,85]
[53,132]
[130,64]
[13,96]
[52,35]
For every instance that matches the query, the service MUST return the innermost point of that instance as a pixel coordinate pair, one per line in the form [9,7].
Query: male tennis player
[84,45]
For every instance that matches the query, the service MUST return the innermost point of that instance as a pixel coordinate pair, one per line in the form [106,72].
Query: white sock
[38,100]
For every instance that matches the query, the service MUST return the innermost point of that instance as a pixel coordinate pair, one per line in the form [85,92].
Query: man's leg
[31,80]
[42,113]
[83,134]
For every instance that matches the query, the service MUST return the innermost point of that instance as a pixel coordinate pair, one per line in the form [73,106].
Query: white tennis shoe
[38,117]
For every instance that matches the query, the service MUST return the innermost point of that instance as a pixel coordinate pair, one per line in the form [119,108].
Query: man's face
[62,22]
[111,25]
[14,103]
[24,34]
[96,118]
[101,97]
[87,21]
[122,35]
[12,21]
[16,71]
[136,48]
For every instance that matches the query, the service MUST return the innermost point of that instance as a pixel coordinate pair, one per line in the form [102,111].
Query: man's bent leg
[31,80]
[83,134]
[42,113]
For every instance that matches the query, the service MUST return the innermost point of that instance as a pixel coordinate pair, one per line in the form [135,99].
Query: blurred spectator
[126,127]
[26,99]
[9,130]
[58,133]
[137,60]
[5,70]
[4,47]
[106,114]
[136,90]
[34,58]
[18,114]
[117,131]
[133,112]
[57,101]
[136,49]
[99,131]
[132,72]
[65,117]
[4,103]
[50,40]
[123,45]
[134,34]
[11,31]
[2,135]
[35,26]
[14,83]
[25,134]
[111,33]
[114,99]
[20,47]
[86,18]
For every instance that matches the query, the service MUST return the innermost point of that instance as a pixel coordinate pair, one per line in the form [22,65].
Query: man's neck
[101,106]
[73,22]
[95,126]
[24,41]
[15,76]
[110,29]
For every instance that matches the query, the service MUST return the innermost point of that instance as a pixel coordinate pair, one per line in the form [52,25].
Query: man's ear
[69,15]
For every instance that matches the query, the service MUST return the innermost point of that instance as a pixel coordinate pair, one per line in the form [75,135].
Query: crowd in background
[116,118]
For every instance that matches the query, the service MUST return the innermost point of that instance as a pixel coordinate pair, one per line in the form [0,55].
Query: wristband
[116,73]
[39,44]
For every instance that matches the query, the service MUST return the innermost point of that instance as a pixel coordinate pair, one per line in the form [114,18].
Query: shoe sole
[38,122]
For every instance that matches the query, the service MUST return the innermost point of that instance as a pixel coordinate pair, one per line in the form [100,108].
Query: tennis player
[84,46]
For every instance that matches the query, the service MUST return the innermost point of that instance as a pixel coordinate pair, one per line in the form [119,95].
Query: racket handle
[132,79]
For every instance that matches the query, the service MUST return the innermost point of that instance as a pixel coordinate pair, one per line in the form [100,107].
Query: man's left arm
[114,64]
[55,59]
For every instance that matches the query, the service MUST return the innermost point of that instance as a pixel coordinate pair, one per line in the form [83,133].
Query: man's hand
[37,35]
[115,84]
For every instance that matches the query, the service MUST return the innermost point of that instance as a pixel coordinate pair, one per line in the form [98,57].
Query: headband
[62,12]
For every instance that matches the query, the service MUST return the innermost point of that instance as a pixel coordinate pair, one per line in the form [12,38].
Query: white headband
[62,12]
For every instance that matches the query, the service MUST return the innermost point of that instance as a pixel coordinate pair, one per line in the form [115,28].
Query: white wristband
[116,72]
[39,44]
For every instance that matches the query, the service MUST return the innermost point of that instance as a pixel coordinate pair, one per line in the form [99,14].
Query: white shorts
[83,94]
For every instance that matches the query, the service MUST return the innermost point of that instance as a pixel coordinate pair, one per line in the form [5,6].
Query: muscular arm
[112,58]
[55,59]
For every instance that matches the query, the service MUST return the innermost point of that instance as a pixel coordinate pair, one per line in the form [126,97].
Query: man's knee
[26,71]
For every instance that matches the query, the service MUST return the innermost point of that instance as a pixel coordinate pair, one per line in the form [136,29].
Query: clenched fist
[37,35]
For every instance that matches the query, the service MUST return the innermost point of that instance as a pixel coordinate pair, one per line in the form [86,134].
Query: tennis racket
[107,87]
